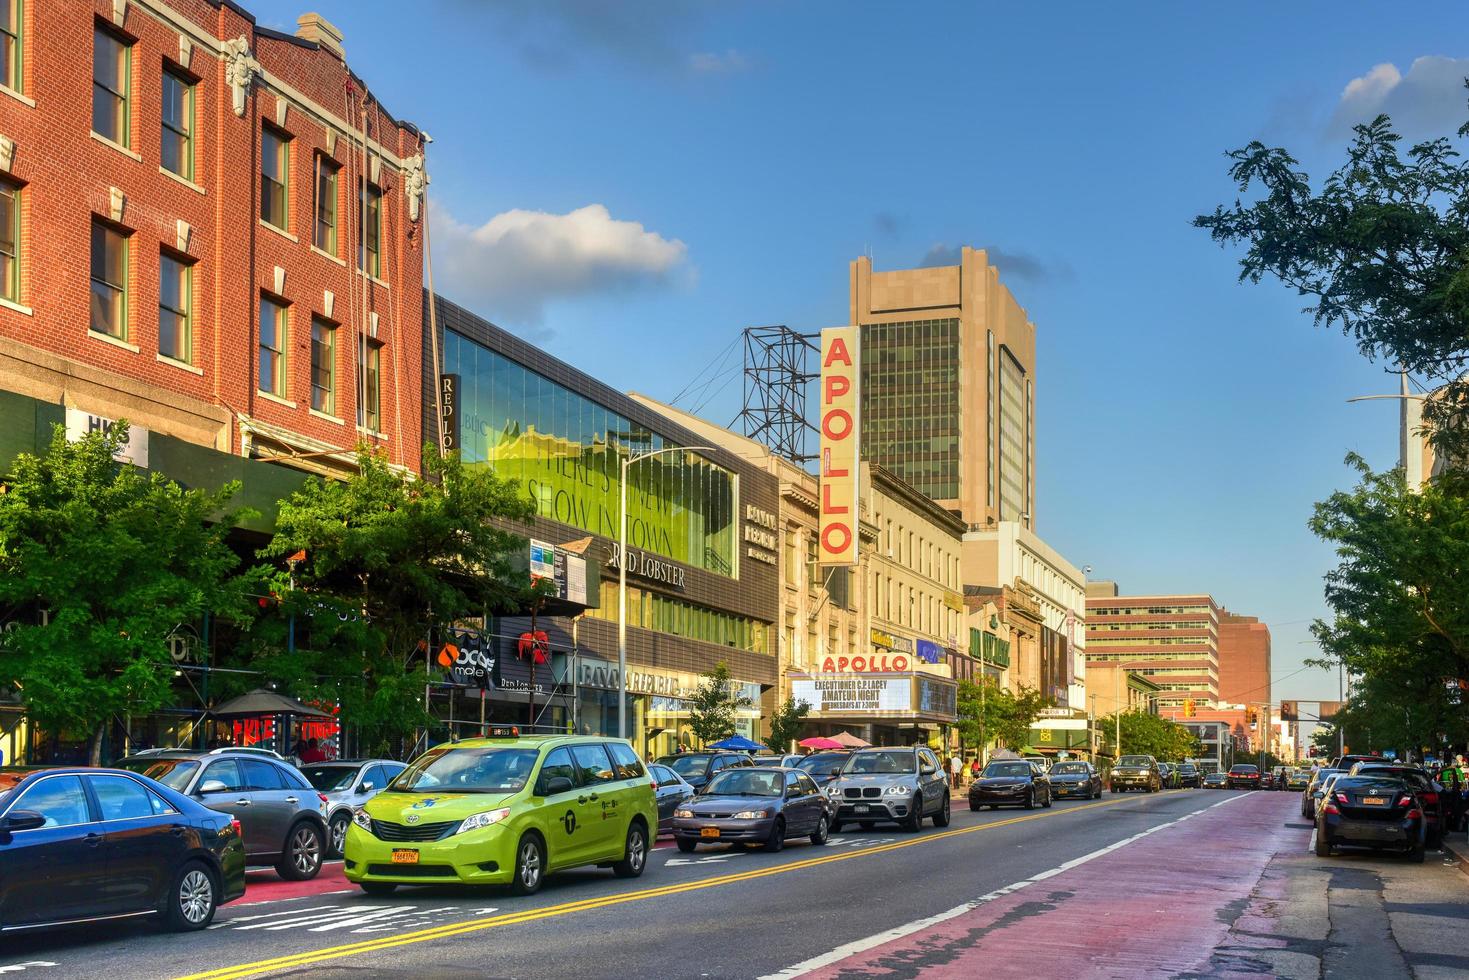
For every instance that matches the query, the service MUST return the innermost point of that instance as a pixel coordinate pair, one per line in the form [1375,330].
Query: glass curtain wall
[565,452]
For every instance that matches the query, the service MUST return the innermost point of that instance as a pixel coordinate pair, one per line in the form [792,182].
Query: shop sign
[936,697]
[449,405]
[647,566]
[930,652]
[567,571]
[840,446]
[890,642]
[876,663]
[848,695]
[135,450]
[760,534]
[468,658]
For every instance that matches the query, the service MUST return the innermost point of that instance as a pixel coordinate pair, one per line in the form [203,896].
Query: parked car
[1346,762]
[1312,794]
[84,844]
[765,805]
[823,766]
[789,760]
[903,785]
[1011,782]
[1422,786]
[1371,811]
[504,810]
[1137,772]
[1169,772]
[671,791]
[1189,776]
[1073,779]
[1244,777]
[1267,780]
[698,767]
[1216,780]
[347,785]
[282,817]
[1298,779]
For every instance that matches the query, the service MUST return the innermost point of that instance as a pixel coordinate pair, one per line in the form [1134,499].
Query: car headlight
[899,791]
[486,819]
[683,813]
[834,792]
[752,814]
[361,819]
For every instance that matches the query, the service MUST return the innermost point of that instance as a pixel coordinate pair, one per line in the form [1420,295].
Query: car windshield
[173,773]
[329,779]
[465,770]
[1069,769]
[822,765]
[1135,760]
[746,782]
[1007,769]
[686,765]
[897,763]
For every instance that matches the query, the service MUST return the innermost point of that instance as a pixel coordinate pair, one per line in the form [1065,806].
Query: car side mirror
[927,770]
[212,786]
[556,784]
[22,820]
[793,792]
[368,787]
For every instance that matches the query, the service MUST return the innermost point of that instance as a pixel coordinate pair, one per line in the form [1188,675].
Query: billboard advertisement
[840,446]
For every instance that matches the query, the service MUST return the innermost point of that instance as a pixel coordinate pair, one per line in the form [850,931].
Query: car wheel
[1047,805]
[634,853]
[777,838]
[302,858]
[914,822]
[530,866]
[1323,845]
[337,833]
[686,845]
[974,807]
[820,836]
[941,819]
[192,900]
[1030,800]
[377,887]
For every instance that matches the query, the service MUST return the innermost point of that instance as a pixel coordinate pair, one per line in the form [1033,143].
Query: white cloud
[713,63]
[1429,99]
[511,266]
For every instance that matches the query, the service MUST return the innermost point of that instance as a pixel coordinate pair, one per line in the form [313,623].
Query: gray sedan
[346,785]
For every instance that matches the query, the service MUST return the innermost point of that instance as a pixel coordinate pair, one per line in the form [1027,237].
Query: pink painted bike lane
[1157,906]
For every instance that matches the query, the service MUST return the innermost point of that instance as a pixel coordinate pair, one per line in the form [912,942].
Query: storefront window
[666,614]
[565,451]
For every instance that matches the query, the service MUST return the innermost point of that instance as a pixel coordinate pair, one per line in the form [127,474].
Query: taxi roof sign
[504,731]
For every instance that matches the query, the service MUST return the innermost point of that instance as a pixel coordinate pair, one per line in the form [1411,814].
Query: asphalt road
[721,912]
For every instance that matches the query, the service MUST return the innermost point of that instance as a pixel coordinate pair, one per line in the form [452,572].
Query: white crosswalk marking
[330,913]
[360,920]
[22,967]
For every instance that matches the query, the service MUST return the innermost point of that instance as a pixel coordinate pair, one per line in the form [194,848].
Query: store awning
[261,703]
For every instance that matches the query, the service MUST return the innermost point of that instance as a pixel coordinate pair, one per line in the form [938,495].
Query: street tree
[1380,249]
[100,564]
[993,713]
[785,723]
[1144,733]
[715,705]
[364,568]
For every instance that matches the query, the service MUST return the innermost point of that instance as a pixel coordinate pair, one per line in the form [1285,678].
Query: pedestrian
[956,767]
[974,769]
[311,753]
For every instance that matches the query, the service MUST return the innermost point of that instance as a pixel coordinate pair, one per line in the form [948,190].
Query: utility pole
[1410,420]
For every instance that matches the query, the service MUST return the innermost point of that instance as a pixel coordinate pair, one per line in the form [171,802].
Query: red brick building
[1244,661]
[208,228]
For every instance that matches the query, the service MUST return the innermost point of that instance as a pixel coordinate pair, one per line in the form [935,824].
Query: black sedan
[1076,779]
[824,767]
[1216,780]
[1189,776]
[761,805]
[1371,811]
[1243,777]
[84,844]
[1015,782]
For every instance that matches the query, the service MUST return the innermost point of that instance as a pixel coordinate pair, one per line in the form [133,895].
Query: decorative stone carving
[116,201]
[328,303]
[183,233]
[240,70]
[7,153]
[415,183]
[186,50]
[280,281]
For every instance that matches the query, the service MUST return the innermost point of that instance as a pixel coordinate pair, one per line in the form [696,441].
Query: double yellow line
[586,905]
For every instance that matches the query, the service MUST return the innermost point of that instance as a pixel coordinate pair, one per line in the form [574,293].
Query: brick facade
[70,177]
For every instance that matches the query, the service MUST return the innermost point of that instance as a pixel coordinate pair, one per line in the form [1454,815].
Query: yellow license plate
[709,832]
[1373,800]
[405,857]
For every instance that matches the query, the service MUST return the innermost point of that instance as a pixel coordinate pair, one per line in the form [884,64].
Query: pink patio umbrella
[820,742]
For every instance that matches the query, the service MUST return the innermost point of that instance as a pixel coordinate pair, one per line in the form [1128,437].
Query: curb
[1458,852]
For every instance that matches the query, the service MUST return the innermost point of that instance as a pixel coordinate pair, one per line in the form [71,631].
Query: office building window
[176,152]
[109,280]
[369,254]
[275,177]
[910,402]
[323,366]
[369,372]
[10,241]
[272,365]
[10,43]
[1013,438]
[111,72]
[175,300]
[325,236]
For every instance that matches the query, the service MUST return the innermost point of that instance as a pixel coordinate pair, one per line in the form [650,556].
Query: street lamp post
[622,576]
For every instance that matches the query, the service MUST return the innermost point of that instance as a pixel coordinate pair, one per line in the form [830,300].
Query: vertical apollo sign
[840,446]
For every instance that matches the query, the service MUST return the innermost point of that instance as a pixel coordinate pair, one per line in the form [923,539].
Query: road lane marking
[898,932]
[22,967]
[584,905]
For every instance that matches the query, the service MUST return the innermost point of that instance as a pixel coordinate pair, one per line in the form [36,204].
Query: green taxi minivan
[506,809]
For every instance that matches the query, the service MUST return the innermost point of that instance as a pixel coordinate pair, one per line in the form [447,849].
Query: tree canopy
[993,713]
[715,705]
[1144,733]
[785,724]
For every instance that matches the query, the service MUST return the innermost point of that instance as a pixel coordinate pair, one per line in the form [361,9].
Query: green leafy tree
[714,706]
[993,713]
[785,724]
[388,555]
[1380,249]
[1144,733]
[99,564]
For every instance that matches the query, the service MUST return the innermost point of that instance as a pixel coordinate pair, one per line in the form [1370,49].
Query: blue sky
[631,182]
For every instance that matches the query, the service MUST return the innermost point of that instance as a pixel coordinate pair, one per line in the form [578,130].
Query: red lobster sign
[534,646]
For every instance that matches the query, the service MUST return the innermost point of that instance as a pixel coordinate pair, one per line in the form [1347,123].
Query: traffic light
[1250,717]
[1188,708]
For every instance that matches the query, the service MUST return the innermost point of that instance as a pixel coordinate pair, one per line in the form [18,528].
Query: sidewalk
[1231,892]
